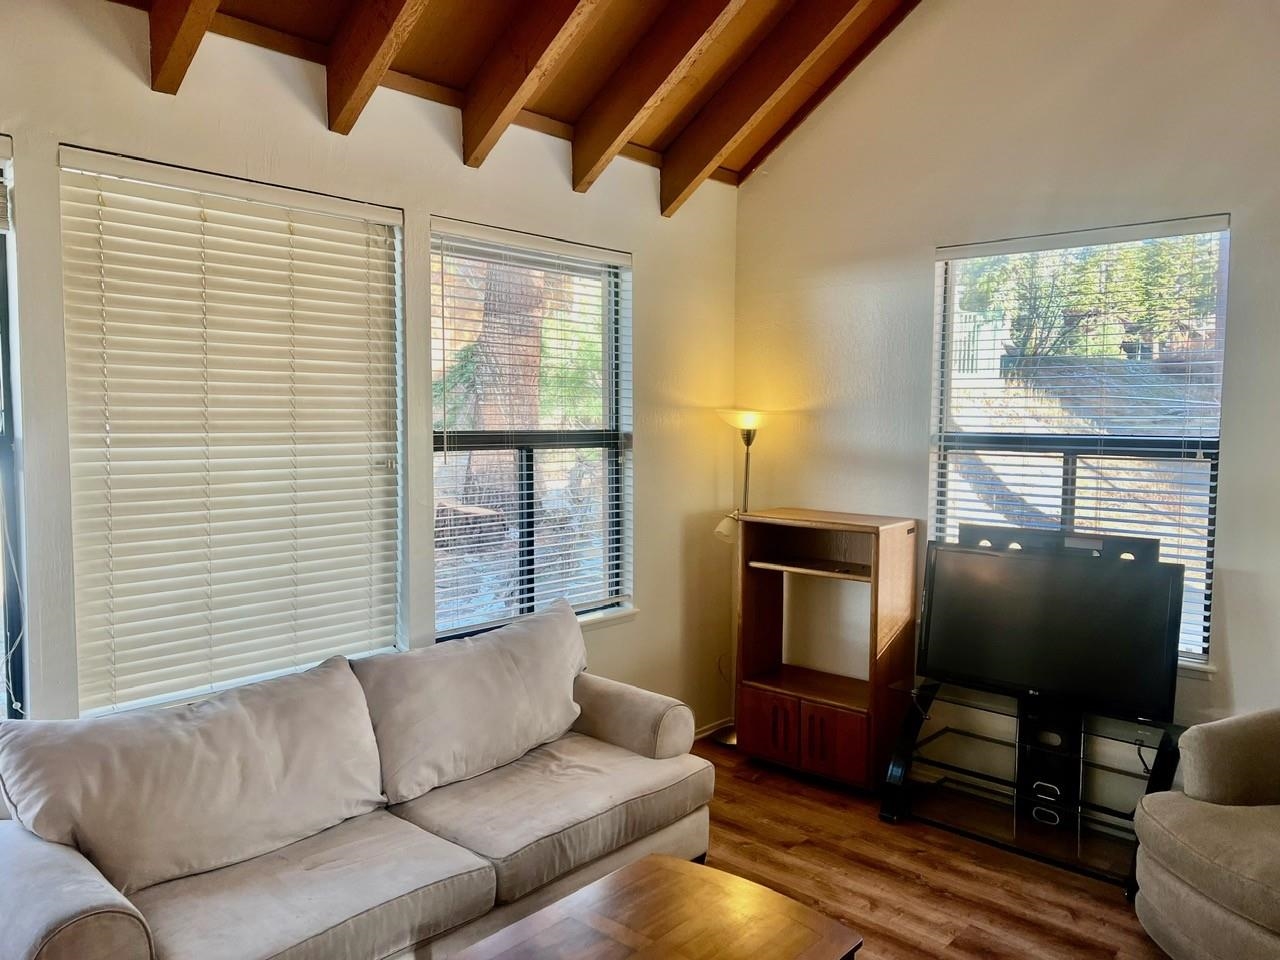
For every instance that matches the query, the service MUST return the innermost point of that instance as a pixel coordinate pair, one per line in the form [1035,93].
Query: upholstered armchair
[1208,866]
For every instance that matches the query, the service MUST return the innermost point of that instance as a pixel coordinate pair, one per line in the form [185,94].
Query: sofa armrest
[57,906]
[643,722]
[1233,761]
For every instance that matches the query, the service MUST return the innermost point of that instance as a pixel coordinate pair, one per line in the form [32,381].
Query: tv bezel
[1115,710]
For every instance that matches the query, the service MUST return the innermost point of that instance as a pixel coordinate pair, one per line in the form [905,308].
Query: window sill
[606,618]
[1194,670]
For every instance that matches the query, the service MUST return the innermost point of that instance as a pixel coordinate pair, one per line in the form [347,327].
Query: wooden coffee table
[663,907]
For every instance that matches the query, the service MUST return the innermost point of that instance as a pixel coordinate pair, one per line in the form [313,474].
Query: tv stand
[1041,778]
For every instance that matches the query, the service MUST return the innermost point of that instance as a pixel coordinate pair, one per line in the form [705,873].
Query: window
[531,392]
[233,368]
[11,619]
[1078,386]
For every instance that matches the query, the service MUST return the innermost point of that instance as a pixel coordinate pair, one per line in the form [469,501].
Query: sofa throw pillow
[463,707]
[155,794]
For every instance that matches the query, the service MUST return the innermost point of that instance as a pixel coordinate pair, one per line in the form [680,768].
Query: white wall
[983,119]
[75,71]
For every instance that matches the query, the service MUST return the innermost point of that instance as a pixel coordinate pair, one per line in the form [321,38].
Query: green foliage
[453,395]
[571,385]
[1112,300]
[1176,280]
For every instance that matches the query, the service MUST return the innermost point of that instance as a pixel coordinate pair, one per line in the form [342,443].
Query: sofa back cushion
[155,794]
[462,708]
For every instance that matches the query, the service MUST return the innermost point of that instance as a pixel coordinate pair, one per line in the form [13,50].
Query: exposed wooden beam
[886,27]
[777,65]
[177,27]
[368,39]
[658,62]
[270,39]
[533,46]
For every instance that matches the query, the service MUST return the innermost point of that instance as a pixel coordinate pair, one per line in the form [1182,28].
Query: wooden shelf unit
[824,723]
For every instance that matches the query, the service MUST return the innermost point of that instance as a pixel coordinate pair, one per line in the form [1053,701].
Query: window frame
[1070,447]
[11,631]
[616,440]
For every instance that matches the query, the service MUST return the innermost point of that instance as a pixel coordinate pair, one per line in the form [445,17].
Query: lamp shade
[742,419]
[727,529]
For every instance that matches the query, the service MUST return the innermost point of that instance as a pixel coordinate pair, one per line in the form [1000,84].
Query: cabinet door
[768,725]
[833,742]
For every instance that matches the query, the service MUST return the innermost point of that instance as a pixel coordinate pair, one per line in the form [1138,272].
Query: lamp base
[726,736]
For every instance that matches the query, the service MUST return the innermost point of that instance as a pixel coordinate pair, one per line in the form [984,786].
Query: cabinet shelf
[831,689]
[831,569]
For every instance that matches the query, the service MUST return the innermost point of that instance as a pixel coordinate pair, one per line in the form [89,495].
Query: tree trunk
[508,373]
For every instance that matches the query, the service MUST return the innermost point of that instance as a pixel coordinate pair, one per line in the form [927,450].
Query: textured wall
[983,119]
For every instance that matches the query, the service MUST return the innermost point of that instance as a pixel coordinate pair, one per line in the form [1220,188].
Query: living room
[361,328]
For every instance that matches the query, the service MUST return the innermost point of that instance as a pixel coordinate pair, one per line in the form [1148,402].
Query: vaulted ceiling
[703,89]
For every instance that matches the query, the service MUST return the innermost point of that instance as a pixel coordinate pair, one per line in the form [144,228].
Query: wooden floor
[911,890]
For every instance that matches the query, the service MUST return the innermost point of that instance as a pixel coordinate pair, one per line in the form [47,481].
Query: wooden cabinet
[828,724]
[771,727]
[833,743]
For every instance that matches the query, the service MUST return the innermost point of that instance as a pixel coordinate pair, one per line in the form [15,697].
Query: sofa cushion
[1188,924]
[155,794]
[461,708]
[1220,760]
[1230,854]
[561,806]
[368,887]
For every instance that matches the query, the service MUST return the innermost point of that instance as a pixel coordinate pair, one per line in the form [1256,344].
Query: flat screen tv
[1098,632]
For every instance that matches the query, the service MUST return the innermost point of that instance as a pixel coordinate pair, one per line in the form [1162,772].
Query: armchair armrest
[1233,761]
[57,906]
[640,721]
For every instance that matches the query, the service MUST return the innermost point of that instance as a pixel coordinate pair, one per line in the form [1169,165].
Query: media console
[827,724]
[1042,779]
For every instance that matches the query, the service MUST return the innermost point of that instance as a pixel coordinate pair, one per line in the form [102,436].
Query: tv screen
[1103,633]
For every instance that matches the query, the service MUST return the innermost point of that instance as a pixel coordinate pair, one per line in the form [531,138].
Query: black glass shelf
[1090,842]
[1097,727]
[966,773]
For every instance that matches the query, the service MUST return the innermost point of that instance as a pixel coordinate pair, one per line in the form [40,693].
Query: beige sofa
[1208,866]
[397,806]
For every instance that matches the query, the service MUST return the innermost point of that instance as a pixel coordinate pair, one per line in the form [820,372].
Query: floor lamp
[746,422]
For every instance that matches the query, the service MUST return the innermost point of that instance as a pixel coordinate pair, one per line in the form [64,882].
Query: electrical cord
[1141,759]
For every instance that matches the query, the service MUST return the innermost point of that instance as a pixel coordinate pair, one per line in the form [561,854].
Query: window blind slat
[1079,387]
[233,371]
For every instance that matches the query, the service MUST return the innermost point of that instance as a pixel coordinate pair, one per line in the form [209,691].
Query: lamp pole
[729,529]
[748,437]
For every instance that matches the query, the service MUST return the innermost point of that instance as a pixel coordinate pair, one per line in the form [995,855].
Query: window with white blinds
[12,681]
[1078,386]
[233,370]
[531,397]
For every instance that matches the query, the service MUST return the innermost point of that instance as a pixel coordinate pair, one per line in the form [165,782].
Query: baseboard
[711,728]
